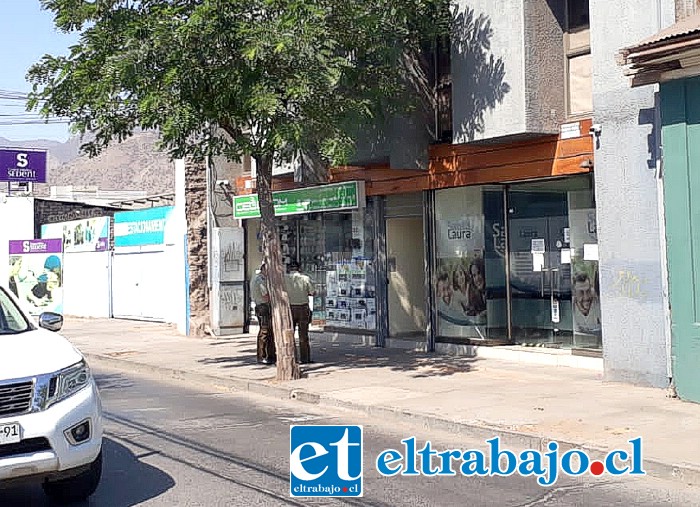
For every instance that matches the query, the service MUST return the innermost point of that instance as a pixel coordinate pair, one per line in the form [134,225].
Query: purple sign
[30,246]
[101,245]
[22,165]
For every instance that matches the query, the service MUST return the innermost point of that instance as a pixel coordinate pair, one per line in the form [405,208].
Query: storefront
[517,264]
[329,230]
[492,245]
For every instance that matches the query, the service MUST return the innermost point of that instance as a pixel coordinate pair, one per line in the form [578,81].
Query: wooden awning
[454,165]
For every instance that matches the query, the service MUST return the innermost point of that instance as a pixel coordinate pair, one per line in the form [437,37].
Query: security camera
[595,129]
[222,183]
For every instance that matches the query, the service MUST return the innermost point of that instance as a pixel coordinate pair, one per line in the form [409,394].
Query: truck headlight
[68,382]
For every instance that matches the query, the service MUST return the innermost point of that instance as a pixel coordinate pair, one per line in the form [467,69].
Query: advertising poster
[88,235]
[460,284]
[36,274]
[584,277]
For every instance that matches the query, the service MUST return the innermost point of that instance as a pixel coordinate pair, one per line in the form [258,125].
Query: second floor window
[577,44]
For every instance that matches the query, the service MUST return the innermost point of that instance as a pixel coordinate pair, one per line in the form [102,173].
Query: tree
[279,77]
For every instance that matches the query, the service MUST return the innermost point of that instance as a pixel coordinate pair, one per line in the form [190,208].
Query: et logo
[325,461]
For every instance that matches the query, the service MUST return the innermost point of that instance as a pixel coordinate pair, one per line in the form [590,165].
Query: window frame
[573,50]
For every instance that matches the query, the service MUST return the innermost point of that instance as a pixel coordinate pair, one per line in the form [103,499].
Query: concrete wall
[633,299]
[545,65]
[488,92]
[507,69]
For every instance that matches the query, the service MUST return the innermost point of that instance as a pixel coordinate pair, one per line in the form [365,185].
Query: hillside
[135,164]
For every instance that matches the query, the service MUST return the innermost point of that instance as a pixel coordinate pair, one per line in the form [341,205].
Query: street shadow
[334,356]
[329,356]
[479,74]
[126,481]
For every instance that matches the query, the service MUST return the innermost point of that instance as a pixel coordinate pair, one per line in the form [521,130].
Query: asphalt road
[171,444]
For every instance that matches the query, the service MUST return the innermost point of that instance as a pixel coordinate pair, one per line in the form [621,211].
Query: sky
[26,34]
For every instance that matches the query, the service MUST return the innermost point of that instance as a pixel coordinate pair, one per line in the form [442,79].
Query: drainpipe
[662,215]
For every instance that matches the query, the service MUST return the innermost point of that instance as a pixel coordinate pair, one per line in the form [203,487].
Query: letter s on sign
[25,246]
[22,160]
[296,464]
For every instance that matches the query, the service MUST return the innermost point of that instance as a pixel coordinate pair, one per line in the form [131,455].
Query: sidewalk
[525,404]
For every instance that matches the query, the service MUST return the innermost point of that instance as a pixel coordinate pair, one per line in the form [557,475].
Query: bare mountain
[60,152]
[134,164]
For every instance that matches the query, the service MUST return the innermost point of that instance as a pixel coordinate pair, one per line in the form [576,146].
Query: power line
[51,121]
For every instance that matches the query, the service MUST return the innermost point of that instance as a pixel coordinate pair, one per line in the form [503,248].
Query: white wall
[16,222]
[86,289]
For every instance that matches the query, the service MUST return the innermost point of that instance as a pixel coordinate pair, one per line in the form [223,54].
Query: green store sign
[333,197]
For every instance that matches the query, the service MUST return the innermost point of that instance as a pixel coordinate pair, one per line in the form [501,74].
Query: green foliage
[279,76]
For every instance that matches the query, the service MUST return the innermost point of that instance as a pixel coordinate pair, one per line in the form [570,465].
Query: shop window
[336,250]
[577,44]
[470,274]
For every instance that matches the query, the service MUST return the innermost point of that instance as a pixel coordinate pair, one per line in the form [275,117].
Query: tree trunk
[283,330]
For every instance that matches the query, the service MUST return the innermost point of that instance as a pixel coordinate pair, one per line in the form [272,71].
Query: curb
[686,474]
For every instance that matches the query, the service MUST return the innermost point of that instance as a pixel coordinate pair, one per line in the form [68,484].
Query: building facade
[669,61]
[525,214]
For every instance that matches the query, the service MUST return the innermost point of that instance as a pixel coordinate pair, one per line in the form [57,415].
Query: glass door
[540,272]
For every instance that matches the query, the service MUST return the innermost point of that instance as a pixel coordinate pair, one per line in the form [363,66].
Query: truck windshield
[12,320]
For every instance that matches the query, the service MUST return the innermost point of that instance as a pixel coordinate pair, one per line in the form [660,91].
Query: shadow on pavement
[126,481]
[335,356]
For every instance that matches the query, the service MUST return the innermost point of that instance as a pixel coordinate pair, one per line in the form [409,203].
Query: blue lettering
[426,460]
[475,465]
[551,466]
[410,445]
[530,463]
[637,457]
[610,462]
[497,454]
[566,466]
[386,458]
[446,461]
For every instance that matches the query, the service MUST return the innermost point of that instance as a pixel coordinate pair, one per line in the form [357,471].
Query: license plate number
[10,433]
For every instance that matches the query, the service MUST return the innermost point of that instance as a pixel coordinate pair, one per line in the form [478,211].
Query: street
[169,443]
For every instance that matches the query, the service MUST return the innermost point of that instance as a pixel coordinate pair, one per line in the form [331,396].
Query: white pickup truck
[50,408]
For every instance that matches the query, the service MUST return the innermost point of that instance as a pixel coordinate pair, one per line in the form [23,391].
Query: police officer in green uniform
[299,288]
[260,294]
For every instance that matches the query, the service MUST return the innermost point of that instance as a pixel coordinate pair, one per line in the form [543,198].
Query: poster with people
[460,273]
[585,295]
[36,274]
[87,235]
[461,290]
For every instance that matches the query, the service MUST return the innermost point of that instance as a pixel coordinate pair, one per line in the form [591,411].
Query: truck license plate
[10,433]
